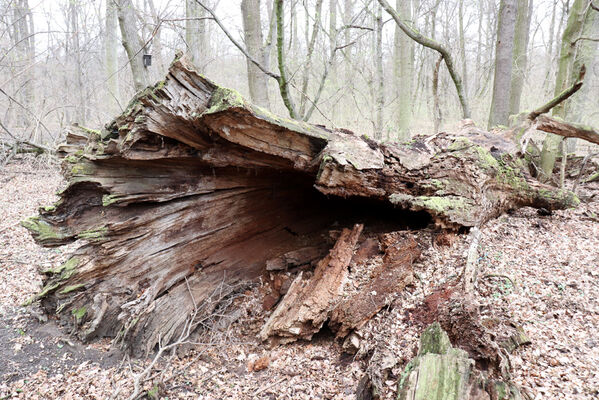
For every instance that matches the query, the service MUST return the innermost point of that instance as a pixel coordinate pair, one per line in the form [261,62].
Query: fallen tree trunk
[192,189]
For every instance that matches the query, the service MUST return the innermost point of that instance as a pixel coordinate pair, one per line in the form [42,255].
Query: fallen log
[192,190]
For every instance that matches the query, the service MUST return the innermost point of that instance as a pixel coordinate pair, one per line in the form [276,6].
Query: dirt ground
[539,272]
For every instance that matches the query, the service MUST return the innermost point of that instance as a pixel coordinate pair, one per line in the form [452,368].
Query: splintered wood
[307,304]
[310,302]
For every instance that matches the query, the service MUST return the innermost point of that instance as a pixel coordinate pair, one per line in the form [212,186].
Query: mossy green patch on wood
[109,199]
[223,99]
[93,233]
[82,168]
[79,313]
[41,230]
[434,340]
[71,288]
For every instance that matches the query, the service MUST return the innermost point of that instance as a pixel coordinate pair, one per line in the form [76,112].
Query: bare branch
[237,44]
[563,96]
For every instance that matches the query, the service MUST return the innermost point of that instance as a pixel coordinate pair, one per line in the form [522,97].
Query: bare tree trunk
[252,29]
[403,71]
[500,101]
[24,44]
[572,32]
[519,58]
[550,46]
[282,80]
[80,106]
[132,43]
[195,33]
[462,35]
[379,77]
[437,116]
[310,52]
[111,55]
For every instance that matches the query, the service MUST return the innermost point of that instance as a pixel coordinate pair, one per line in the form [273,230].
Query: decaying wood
[549,124]
[308,302]
[441,371]
[193,188]
[392,277]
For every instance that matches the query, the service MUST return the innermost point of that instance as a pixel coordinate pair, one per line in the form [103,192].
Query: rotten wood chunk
[308,303]
[295,258]
[389,279]
[441,371]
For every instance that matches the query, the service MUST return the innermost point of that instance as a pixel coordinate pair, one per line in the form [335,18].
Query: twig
[582,167]
[500,276]
[264,388]
[560,97]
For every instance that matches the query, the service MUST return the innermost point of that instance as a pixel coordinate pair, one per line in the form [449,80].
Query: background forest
[345,63]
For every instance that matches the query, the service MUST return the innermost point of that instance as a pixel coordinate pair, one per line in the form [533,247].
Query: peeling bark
[193,189]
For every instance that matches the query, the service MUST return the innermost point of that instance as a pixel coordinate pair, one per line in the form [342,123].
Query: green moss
[49,208]
[90,131]
[93,234]
[223,99]
[71,288]
[109,199]
[41,230]
[79,313]
[153,393]
[84,168]
[73,159]
[434,340]
[70,264]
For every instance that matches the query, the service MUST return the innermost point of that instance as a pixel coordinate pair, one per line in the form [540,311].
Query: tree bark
[252,30]
[404,69]
[111,54]
[132,43]
[188,193]
[573,30]
[500,101]
[195,33]
[519,56]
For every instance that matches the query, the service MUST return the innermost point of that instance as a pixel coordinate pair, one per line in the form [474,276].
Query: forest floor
[539,272]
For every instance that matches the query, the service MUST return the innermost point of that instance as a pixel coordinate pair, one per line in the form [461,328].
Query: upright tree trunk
[572,32]
[550,46]
[379,78]
[252,29]
[132,43]
[111,55]
[311,44]
[195,33]
[80,106]
[403,71]
[462,35]
[24,44]
[519,58]
[500,101]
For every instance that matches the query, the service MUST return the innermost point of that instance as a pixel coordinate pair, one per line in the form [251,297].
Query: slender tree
[572,32]
[195,33]
[500,101]
[519,56]
[111,52]
[252,29]
[132,43]
[415,35]
[403,71]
